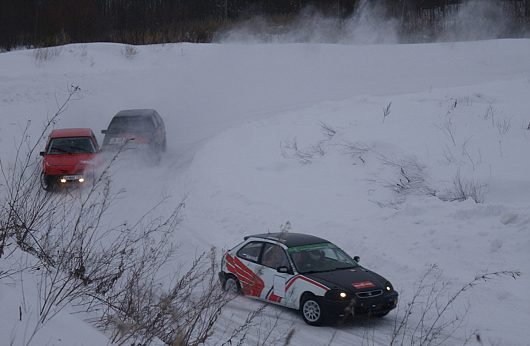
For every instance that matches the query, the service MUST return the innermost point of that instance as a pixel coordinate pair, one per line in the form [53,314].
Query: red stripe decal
[241,274]
[301,277]
[274,298]
[251,284]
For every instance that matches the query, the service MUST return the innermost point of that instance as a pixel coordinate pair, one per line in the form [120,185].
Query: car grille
[369,294]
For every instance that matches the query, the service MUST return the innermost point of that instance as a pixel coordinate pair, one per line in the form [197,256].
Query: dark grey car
[136,129]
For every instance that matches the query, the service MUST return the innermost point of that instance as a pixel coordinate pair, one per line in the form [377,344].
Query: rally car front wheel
[46,182]
[312,311]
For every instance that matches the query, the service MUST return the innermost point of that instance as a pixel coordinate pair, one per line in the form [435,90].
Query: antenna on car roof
[284,229]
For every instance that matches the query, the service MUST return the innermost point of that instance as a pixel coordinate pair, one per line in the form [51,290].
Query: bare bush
[22,198]
[10,272]
[462,189]
[474,162]
[412,176]
[41,55]
[503,126]
[448,156]
[184,314]
[431,317]
[266,331]
[357,150]
[102,265]
[448,128]
[129,51]
[490,114]
[80,260]
[328,131]
[290,150]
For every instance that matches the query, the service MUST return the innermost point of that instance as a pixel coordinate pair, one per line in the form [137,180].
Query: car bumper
[67,179]
[362,306]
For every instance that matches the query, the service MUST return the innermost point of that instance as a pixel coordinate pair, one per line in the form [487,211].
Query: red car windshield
[71,145]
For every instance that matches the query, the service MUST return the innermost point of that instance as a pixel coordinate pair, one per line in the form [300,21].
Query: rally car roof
[135,112]
[73,132]
[290,239]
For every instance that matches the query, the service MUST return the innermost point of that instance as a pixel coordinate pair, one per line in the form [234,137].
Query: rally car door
[275,257]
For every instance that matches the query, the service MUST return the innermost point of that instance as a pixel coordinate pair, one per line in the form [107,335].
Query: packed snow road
[258,135]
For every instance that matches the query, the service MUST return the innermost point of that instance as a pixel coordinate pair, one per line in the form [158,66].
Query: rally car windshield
[316,258]
[131,124]
[71,145]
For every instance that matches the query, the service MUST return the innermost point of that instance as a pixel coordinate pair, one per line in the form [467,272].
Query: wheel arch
[228,276]
[304,295]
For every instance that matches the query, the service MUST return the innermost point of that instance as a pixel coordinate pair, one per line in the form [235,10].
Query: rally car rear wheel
[312,311]
[232,285]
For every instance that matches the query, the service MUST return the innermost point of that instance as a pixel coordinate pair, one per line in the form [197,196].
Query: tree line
[51,22]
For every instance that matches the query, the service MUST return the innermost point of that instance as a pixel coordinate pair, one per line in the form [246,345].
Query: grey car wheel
[312,311]
[46,182]
[232,285]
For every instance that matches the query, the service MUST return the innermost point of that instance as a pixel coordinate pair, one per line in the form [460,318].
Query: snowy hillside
[260,134]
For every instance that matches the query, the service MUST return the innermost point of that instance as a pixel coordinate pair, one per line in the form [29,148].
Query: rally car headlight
[336,294]
[388,287]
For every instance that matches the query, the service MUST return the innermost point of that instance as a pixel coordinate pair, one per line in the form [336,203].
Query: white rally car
[306,273]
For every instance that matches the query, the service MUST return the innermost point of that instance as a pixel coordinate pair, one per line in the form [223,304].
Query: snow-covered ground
[249,149]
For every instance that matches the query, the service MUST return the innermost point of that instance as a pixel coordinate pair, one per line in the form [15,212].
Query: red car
[67,156]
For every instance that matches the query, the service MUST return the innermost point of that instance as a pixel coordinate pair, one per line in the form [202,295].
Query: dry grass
[42,55]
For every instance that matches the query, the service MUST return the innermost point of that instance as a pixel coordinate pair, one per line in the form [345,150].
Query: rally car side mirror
[42,153]
[103,131]
[356,258]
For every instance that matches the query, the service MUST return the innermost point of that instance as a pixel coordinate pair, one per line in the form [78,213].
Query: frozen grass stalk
[387,111]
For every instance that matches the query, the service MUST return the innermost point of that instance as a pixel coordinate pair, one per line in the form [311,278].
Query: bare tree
[19,183]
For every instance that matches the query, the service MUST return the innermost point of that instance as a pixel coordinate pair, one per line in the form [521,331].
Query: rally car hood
[68,163]
[354,279]
[69,160]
